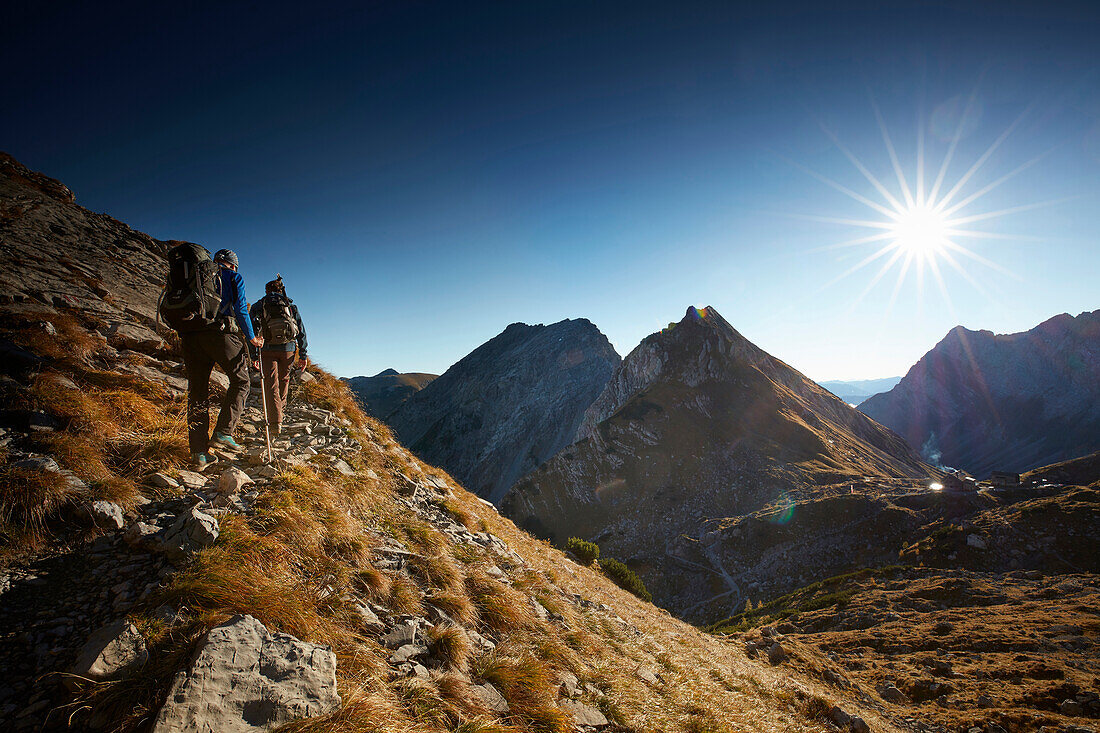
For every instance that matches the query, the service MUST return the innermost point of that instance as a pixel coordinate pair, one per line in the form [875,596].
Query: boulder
[583,714]
[219,380]
[141,535]
[245,679]
[776,653]
[647,675]
[400,635]
[368,619]
[568,684]
[976,542]
[110,653]
[407,652]
[890,693]
[127,335]
[105,514]
[162,481]
[233,480]
[491,697]
[192,531]
[192,479]
[341,466]
[305,377]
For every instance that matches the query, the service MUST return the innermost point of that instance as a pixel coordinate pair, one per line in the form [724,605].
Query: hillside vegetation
[335,557]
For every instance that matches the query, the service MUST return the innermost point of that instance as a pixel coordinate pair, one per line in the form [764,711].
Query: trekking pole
[263,401]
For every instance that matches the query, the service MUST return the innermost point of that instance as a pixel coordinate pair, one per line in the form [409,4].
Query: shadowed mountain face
[697,423]
[509,405]
[983,402]
[386,391]
[60,254]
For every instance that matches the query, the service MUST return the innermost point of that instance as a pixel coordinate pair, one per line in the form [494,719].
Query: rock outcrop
[60,254]
[981,401]
[697,423]
[386,391]
[509,405]
[244,679]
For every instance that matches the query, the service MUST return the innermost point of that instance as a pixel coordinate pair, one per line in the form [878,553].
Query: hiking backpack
[192,296]
[277,320]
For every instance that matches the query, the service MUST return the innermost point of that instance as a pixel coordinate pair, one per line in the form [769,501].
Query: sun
[920,231]
[920,221]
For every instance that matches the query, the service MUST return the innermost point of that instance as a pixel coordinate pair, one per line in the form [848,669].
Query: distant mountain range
[509,405]
[857,390]
[697,422]
[384,392]
[982,401]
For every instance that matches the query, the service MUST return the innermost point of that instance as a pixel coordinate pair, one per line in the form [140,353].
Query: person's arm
[301,335]
[255,312]
[239,306]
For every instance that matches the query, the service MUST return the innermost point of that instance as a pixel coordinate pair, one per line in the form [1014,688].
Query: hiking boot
[202,460]
[225,440]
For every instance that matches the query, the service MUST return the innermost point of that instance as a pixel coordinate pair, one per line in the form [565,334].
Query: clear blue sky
[424,174]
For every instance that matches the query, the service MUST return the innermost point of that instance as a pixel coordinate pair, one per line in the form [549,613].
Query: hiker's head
[276,286]
[227,258]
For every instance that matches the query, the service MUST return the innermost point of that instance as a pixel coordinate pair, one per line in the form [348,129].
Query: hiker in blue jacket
[229,345]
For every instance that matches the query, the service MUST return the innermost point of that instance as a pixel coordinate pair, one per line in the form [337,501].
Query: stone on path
[192,531]
[233,480]
[191,479]
[110,653]
[162,481]
[105,514]
[245,679]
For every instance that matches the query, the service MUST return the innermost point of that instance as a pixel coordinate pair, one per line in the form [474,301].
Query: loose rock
[245,679]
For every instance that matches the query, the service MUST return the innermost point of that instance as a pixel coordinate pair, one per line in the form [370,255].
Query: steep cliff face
[697,423]
[982,401]
[60,254]
[509,405]
[386,391]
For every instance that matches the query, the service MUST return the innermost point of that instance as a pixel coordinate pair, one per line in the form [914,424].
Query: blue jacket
[234,303]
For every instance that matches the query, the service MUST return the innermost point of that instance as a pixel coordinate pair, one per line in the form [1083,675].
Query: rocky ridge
[698,424]
[509,405]
[981,401]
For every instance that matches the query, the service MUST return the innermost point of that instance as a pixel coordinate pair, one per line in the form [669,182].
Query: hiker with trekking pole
[204,301]
[277,318]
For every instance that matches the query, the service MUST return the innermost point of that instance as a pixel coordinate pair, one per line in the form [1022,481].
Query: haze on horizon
[424,174]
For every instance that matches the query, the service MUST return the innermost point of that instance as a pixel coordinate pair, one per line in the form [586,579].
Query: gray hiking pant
[201,351]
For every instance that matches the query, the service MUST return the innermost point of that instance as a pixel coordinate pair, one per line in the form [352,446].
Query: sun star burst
[916,226]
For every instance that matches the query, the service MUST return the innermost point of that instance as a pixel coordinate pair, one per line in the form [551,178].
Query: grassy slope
[300,562]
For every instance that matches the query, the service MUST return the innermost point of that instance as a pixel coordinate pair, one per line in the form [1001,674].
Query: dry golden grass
[528,685]
[500,607]
[330,393]
[457,605]
[374,583]
[300,561]
[437,572]
[451,646]
[406,596]
[28,499]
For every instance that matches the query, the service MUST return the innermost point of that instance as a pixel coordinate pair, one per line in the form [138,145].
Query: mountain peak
[387,373]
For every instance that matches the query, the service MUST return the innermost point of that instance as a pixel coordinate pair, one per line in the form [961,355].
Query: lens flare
[918,223]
